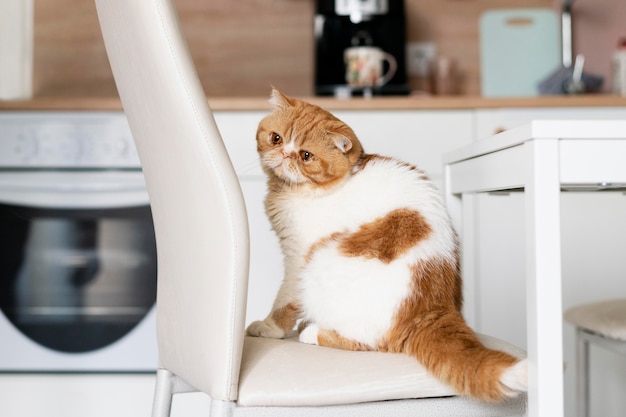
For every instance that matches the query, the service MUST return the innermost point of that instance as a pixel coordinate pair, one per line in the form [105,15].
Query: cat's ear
[342,142]
[279,100]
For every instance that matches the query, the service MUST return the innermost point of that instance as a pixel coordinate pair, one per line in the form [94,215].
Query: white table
[542,158]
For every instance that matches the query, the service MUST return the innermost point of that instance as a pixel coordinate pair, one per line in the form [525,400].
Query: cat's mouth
[289,173]
[285,169]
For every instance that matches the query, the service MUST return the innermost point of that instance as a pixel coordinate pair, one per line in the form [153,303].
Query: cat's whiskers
[249,167]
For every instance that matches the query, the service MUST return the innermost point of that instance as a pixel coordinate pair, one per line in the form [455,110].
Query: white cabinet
[490,121]
[418,137]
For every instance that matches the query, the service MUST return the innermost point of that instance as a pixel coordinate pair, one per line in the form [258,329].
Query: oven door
[77,272]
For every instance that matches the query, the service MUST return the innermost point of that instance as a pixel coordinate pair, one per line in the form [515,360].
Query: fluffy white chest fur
[356,296]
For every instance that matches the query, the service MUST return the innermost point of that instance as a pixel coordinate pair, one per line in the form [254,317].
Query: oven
[77,246]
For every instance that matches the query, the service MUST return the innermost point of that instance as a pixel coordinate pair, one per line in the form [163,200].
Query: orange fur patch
[286,316]
[322,243]
[368,158]
[306,127]
[331,338]
[388,237]
[430,327]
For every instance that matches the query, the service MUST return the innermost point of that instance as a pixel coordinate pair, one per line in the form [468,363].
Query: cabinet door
[491,121]
[416,136]
[238,129]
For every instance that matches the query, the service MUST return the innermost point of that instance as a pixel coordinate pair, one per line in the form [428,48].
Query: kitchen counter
[377,103]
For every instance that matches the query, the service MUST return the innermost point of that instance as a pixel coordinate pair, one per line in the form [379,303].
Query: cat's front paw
[309,334]
[265,328]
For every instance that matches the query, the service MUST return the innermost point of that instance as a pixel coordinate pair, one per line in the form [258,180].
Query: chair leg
[221,408]
[582,373]
[163,392]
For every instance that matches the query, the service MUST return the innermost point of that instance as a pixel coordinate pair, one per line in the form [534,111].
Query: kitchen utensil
[565,79]
[571,80]
[576,85]
[618,66]
[567,51]
[364,66]
[518,48]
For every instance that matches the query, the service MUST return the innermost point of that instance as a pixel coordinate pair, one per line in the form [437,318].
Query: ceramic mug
[364,66]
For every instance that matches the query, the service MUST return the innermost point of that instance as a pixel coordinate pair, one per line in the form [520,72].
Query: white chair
[202,244]
[602,323]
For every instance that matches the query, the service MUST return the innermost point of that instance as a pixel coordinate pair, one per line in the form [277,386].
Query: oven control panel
[55,139]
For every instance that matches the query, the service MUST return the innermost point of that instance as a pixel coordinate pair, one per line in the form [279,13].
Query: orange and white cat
[371,256]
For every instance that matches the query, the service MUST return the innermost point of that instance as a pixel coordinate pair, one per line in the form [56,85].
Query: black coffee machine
[340,24]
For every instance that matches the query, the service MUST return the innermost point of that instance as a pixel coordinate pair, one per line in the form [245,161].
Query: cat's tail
[450,350]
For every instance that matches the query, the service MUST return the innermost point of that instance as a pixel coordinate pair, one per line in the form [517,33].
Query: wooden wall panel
[69,55]
[453,25]
[242,47]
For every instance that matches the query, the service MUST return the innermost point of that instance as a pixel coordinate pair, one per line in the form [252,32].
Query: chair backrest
[199,213]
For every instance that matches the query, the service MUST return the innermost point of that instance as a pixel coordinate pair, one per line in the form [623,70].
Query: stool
[603,323]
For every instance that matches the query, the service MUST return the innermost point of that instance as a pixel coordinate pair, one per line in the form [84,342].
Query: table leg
[462,212]
[469,258]
[543,274]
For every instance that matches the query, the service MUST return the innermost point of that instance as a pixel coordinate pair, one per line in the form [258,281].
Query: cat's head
[300,143]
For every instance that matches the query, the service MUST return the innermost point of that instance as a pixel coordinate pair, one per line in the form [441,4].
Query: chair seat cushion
[607,318]
[289,373]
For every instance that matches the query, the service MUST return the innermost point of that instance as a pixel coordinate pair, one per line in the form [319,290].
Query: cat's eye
[305,155]
[276,138]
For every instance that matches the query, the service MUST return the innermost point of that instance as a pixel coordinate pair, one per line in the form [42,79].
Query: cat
[371,256]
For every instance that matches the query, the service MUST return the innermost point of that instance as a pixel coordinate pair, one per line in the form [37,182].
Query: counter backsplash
[241,48]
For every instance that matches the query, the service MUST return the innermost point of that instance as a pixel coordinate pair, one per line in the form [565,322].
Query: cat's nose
[285,155]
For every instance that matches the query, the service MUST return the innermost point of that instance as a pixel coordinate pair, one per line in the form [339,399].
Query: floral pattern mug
[364,66]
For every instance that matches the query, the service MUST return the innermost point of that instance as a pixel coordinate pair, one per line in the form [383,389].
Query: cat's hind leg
[313,335]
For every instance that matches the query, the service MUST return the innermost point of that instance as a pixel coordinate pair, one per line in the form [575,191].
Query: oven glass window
[76,280]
